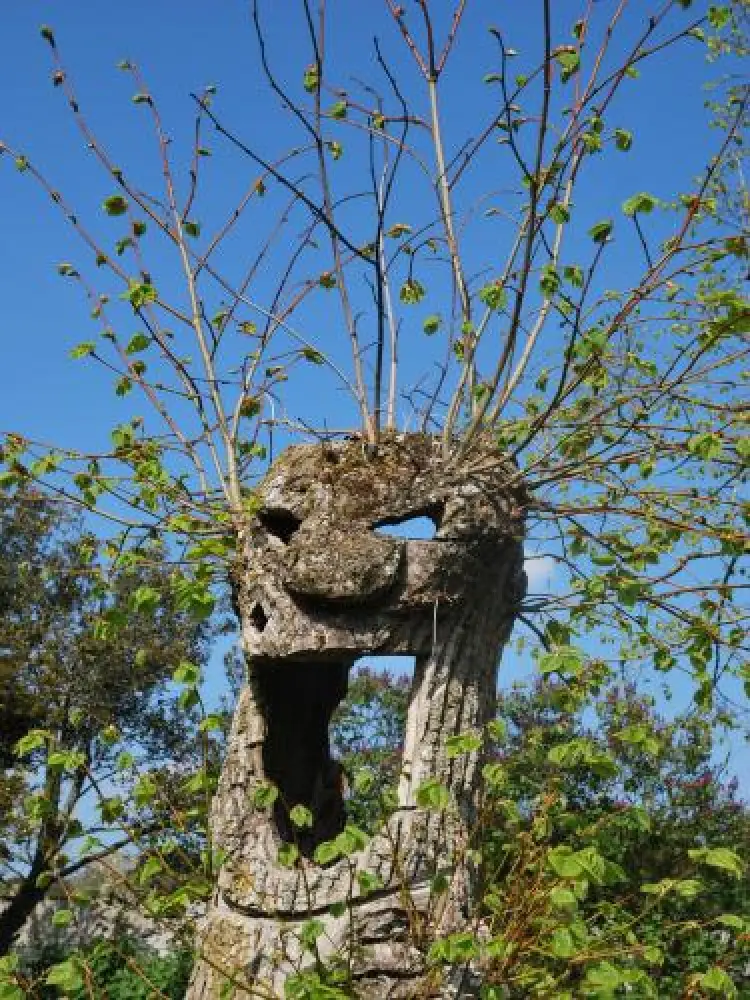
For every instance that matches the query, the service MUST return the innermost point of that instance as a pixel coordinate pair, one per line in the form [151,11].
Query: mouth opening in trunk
[298,699]
[334,741]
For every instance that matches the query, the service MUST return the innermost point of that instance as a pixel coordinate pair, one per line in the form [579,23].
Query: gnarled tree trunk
[316,590]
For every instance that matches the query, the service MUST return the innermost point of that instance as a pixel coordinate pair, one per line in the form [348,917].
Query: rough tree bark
[317,588]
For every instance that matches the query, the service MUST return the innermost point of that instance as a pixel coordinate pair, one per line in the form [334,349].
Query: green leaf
[432,794]
[145,599]
[549,281]
[493,295]
[82,350]
[62,918]
[604,979]
[9,991]
[211,724]
[109,735]
[220,318]
[138,342]
[301,817]
[718,980]
[688,888]
[145,790]
[351,839]
[338,110]
[601,231]
[66,975]
[707,446]
[563,899]
[574,274]
[569,61]
[719,857]
[287,855]
[567,661]
[311,79]
[327,852]
[147,871]
[265,795]
[123,386]
[9,963]
[495,775]
[250,407]
[623,139]
[313,356]
[642,203]
[731,920]
[192,228]
[33,740]
[186,673]
[454,948]
[431,324]
[653,955]
[559,213]
[563,862]
[66,760]
[115,205]
[562,944]
[369,883]
[412,292]
[719,17]
[139,294]
[463,743]
[310,931]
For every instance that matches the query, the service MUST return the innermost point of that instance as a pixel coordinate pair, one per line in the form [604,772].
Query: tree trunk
[317,589]
[25,899]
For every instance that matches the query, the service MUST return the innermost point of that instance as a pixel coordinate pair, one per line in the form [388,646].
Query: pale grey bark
[316,588]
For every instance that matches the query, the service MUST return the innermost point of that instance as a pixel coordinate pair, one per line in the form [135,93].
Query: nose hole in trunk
[258,617]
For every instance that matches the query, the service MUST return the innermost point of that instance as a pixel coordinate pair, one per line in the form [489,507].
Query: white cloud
[540,571]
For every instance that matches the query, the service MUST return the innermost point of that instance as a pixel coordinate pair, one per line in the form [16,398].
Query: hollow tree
[552,413]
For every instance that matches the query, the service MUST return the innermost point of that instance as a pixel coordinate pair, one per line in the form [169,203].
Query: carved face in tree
[317,588]
[321,587]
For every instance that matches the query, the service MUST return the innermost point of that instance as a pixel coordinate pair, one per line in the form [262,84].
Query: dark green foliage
[88,644]
[120,969]
[661,799]
[586,773]
[368,732]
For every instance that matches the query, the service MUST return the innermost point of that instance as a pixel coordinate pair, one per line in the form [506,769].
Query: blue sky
[181,48]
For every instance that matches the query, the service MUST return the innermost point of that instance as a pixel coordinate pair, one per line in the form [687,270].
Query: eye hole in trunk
[281,524]
[419,525]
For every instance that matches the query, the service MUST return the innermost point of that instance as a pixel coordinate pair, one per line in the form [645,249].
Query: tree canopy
[86,668]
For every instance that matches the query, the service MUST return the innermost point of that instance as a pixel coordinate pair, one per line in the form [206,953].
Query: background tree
[86,664]
[579,767]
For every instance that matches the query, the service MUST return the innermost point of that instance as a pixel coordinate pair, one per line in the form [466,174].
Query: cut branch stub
[316,589]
